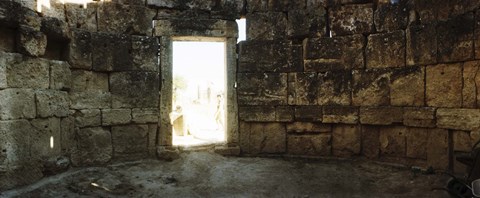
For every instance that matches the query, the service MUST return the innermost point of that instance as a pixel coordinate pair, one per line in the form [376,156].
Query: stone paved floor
[203,174]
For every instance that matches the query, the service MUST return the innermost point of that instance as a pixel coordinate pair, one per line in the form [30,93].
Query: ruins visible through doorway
[198,95]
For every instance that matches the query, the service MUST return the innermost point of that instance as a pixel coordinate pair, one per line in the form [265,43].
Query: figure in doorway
[219,113]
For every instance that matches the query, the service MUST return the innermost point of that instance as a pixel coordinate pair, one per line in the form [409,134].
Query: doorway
[199,90]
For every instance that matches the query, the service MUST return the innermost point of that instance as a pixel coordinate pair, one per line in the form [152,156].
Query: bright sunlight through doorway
[198,116]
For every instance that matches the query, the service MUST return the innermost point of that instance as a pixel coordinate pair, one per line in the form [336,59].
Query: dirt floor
[203,174]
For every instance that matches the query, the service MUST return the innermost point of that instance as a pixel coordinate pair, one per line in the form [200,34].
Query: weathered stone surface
[351,19]
[198,27]
[134,89]
[152,139]
[54,9]
[310,145]
[335,88]
[390,17]
[337,53]
[459,119]
[94,147]
[421,44]
[55,29]
[125,19]
[471,82]
[67,132]
[29,73]
[277,56]
[7,59]
[111,52]
[88,81]
[14,142]
[381,115]
[266,26]
[116,116]
[346,140]
[284,113]
[455,39]
[60,75]
[392,141]
[87,118]
[437,149]
[31,42]
[144,53]
[370,141]
[264,138]
[302,88]
[257,113]
[262,89]
[340,114]
[52,103]
[307,22]
[45,138]
[462,141]
[17,104]
[419,117]
[82,18]
[90,100]
[142,116]
[80,50]
[308,127]
[477,35]
[371,88]
[417,139]
[308,113]
[407,87]
[386,50]
[130,140]
[444,85]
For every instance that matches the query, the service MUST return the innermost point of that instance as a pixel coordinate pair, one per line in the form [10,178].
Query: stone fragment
[390,17]
[407,87]
[284,113]
[94,147]
[302,88]
[310,145]
[346,140]
[444,85]
[371,88]
[308,113]
[52,103]
[370,141]
[340,114]
[143,116]
[80,50]
[60,75]
[417,139]
[144,53]
[419,117]
[471,82]
[437,149]
[45,138]
[29,73]
[459,119]
[308,127]
[386,50]
[130,140]
[309,22]
[17,104]
[392,141]
[116,116]
[125,19]
[31,42]
[335,88]
[276,56]
[198,27]
[256,113]
[87,118]
[134,89]
[381,115]
[89,81]
[351,19]
[262,88]
[82,18]
[455,39]
[421,44]
[90,100]
[266,26]
[336,53]
[263,138]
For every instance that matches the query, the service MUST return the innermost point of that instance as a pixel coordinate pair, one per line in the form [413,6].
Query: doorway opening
[199,108]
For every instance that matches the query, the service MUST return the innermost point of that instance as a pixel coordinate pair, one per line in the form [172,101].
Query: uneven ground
[202,174]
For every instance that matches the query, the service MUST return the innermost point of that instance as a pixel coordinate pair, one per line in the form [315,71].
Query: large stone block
[370,141]
[111,52]
[455,39]
[45,138]
[129,19]
[471,82]
[143,116]
[87,118]
[17,104]
[14,142]
[134,89]
[116,116]
[340,114]
[310,145]
[88,81]
[90,100]
[130,140]
[393,141]
[276,56]
[262,89]
[284,113]
[337,53]
[346,140]
[302,88]
[31,42]
[371,88]
[381,115]
[144,53]
[407,87]
[82,18]
[266,26]
[7,59]
[257,113]
[52,103]
[29,73]
[459,119]
[386,50]
[263,138]
[308,113]
[94,147]
[55,29]
[309,22]
[390,17]
[186,26]
[437,149]
[67,131]
[335,88]
[417,139]
[419,117]
[351,19]
[421,44]
[308,127]
[444,85]
[80,50]
[60,75]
